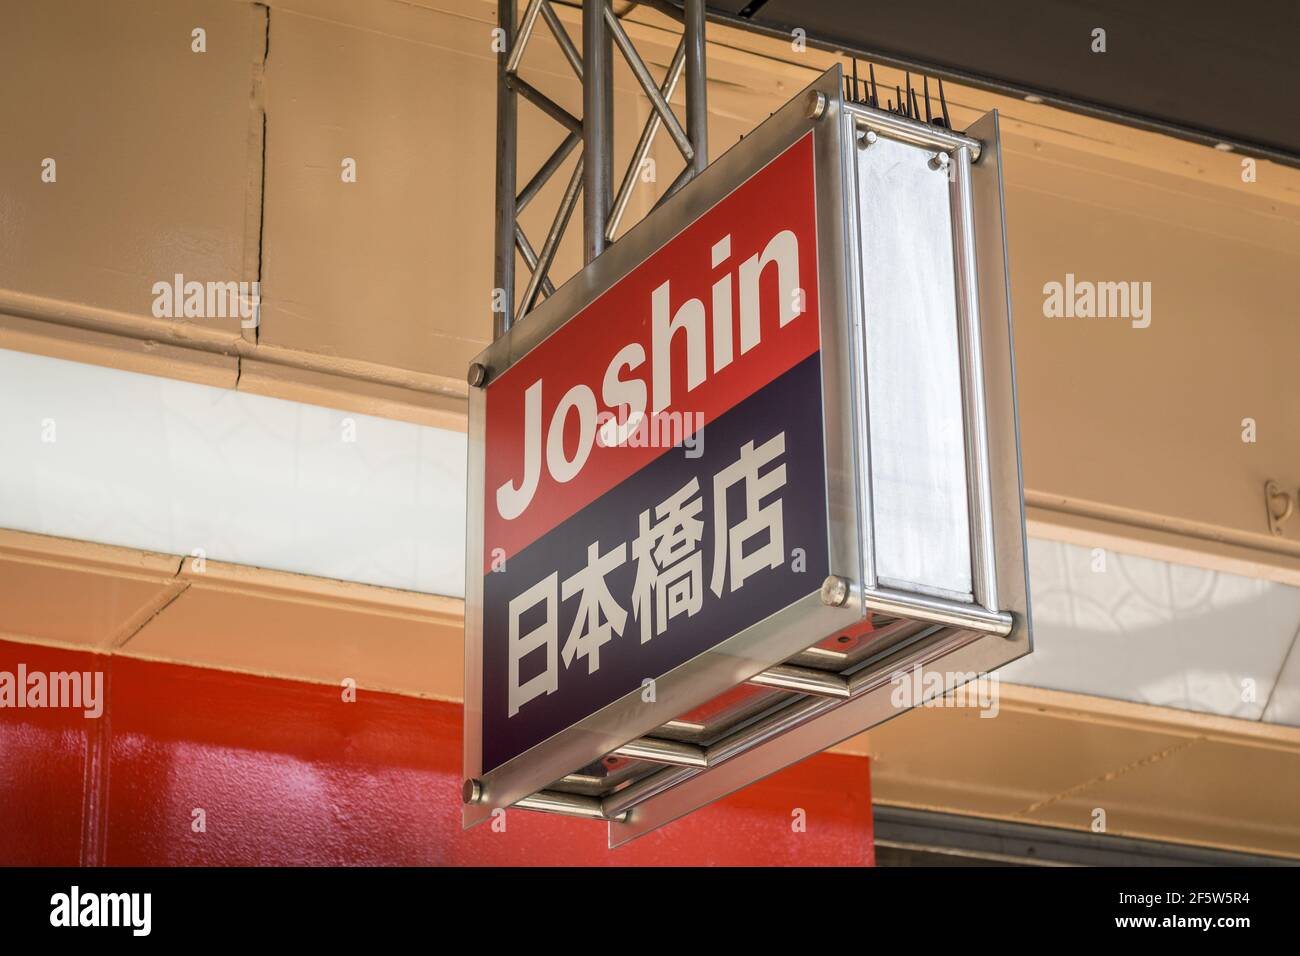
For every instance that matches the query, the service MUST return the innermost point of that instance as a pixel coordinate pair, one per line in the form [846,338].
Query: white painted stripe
[122,458]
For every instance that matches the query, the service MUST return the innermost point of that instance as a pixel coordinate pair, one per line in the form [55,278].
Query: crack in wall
[255,212]
[261,206]
[137,624]
[1109,776]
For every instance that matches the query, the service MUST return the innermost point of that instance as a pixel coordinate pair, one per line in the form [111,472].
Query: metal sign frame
[968,637]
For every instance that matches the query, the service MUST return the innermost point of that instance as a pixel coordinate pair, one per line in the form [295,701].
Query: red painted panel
[288,773]
[43,773]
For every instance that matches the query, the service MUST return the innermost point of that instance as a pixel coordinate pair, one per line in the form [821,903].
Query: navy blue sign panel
[711,537]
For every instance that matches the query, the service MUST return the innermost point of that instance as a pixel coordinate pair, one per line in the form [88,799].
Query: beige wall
[376,294]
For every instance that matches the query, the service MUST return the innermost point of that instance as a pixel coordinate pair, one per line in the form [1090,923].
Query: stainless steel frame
[814,709]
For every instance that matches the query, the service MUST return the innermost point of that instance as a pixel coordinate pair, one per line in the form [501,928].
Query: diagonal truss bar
[547,255]
[643,145]
[530,257]
[684,177]
[624,43]
[544,103]
[525,34]
[543,175]
[562,38]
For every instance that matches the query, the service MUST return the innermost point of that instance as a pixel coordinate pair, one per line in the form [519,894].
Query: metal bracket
[1278,504]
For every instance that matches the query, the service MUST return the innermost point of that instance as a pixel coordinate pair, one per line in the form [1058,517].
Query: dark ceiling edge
[1049,98]
[985,838]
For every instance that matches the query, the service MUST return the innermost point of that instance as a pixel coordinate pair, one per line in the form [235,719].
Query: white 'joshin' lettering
[691,319]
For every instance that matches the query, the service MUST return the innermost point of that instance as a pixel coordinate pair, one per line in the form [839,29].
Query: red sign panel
[723,308]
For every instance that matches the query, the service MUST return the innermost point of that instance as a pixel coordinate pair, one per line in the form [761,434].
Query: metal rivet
[866,138]
[477,376]
[472,792]
[835,591]
[817,104]
[940,161]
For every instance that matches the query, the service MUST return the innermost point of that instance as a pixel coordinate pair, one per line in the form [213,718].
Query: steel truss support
[503,296]
[592,177]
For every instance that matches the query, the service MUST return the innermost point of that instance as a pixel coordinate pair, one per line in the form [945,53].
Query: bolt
[940,161]
[835,591]
[477,376]
[867,138]
[817,104]
[472,792]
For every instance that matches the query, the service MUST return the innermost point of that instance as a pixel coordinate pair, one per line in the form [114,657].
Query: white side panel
[914,388]
[1130,628]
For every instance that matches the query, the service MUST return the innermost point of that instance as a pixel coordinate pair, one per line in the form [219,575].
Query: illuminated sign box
[755,461]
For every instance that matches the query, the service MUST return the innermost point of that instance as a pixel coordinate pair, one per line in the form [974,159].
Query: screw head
[472,792]
[477,376]
[817,104]
[835,591]
[867,138]
[940,161]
